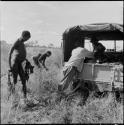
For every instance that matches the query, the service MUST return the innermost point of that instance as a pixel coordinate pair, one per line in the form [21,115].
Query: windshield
[109,44]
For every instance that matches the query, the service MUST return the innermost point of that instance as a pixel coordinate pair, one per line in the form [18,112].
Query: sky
[47,20]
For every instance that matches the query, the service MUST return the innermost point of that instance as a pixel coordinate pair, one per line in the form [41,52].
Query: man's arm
[15,46]
[44,64]
[10,55]
[39,62]
[93,47]
[42,60]
[90,56]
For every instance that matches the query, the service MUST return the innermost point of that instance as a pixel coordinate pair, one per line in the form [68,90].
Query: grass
[44,106]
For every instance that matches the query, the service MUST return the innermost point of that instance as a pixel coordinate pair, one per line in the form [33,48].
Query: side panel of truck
[105,75]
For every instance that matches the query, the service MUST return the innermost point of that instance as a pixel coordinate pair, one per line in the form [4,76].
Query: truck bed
[106,74]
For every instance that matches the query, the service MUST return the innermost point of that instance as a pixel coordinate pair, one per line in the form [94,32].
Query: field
[44,106]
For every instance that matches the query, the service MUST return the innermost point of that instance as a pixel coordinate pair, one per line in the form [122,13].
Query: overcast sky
[47,20]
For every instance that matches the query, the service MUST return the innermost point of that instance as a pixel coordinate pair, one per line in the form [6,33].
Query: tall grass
[44,105]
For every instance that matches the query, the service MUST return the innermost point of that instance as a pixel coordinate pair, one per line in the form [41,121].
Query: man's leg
[68,78]
[23,80]
[14,75]
[36,61]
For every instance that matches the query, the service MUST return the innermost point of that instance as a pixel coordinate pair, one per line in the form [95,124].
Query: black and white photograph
[61,62]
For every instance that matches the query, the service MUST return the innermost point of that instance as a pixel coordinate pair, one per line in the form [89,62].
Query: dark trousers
[17,69]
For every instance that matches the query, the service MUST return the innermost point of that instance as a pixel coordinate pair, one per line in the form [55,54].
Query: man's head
[26,35]
[94,40]
[48,53]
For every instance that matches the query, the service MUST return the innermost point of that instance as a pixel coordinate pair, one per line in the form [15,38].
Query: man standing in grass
[16,57]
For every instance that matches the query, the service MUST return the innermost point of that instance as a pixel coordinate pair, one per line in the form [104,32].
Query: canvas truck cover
[102,31]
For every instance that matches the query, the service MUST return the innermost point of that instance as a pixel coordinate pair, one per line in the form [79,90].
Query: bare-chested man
[41,58]
[16,57]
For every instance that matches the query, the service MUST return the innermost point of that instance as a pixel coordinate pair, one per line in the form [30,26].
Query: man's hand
[10,69]
[10,72]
